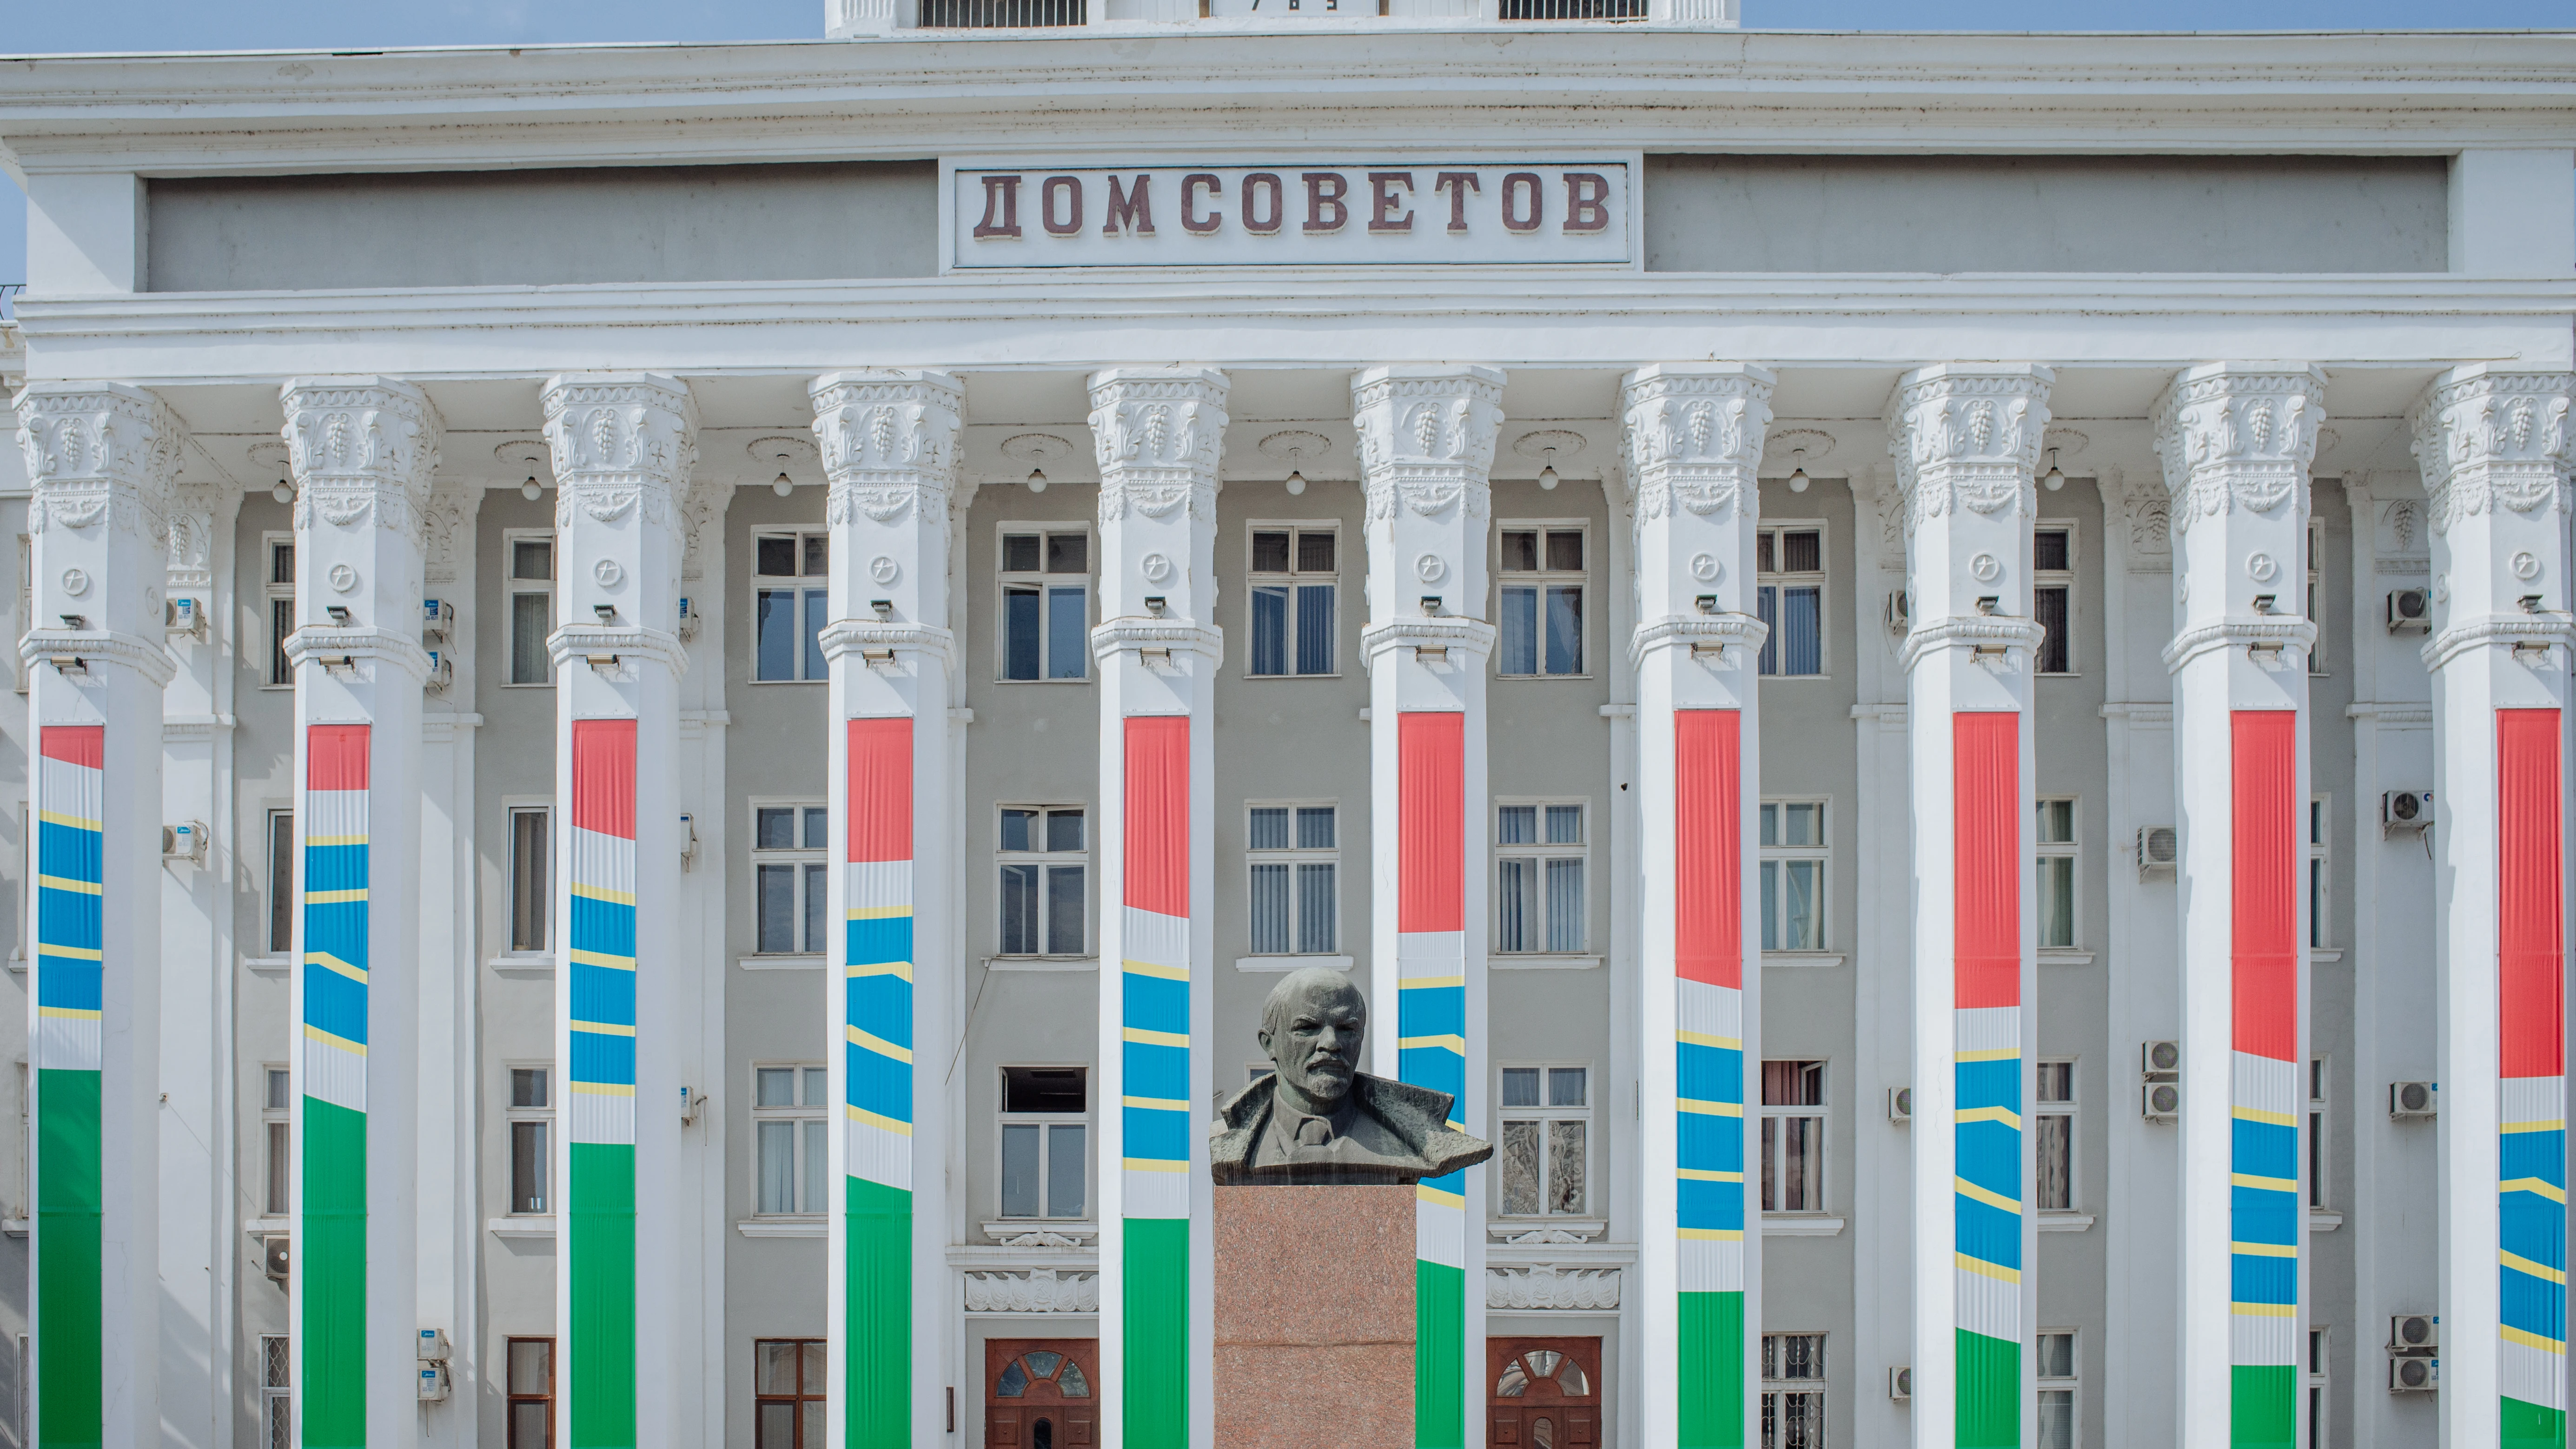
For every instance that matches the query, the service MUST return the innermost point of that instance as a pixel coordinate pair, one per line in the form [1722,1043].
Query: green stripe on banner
[331,1259]
[2530,1426]
[2263,1406]
[70,1338]
[1711,1362]
[1989,1408]
[602,1316]
[1439,1355]
[1157,1263]
[876,1344]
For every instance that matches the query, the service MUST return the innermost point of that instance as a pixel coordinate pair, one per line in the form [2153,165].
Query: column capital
[1968,435]
[2234,434]
[622,441]
[1692,434]
[889,441]
[1158,434]
[199,513]
[2484,432]
[1427,437]
[98,451]
[362,448]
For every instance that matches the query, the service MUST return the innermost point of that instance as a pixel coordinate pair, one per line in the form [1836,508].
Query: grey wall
[2047,214]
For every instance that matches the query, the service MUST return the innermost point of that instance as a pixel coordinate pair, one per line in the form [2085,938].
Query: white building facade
[1930,673]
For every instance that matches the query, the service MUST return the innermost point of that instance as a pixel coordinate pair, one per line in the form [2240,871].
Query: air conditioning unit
[431,1346]
[184,841]
[442,673]
[433,1383]
[184,616]
[2410,611]
[1900,1104]
[2160,1101]
[1900,613]
[2414,1333]
[1900,1383]
[2159,848]
[2405,810]
[2158,1060]
[2414,1375]
[274,1251]
[437,619]
[2414,1099]
[688,621]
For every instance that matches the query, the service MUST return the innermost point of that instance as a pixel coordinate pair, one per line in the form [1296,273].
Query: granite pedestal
[1314,1317]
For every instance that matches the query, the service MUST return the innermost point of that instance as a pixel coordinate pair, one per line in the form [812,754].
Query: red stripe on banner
[335,757]
[603,776]
[2264,887]
[2531,939]
[881,789]
[1158,813]
[1431,820]
[1986,820]
[76,745]
[1708,846]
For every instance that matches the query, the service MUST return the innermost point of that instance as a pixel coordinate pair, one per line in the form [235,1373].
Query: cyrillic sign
[1291,214]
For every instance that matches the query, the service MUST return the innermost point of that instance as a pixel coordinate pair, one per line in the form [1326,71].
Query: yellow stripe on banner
[1710,1109]
[1142,1037]
[1974,1193]
[70,953]
[2264,1310]
[66,883]
[1425,1192]
[76,822]
[71,1013]
[1152,1164]
[1456,1044]
[335,965]
[1155,1104]
[603,893]
[334,898]
[600,1028]
[2005,1115]
[882,1123]
[877,1044]
[1148,968]
[1710,1039]
[2532,1340]
[1984,1269]
[1712,1235]
[1989,1054]
[334,839]
[580,957]
[338,1043]
[2257,1114]
[2553,1124]
[882,968]
[2530,1269]
[603,1089]
[1704,1174]
[2545,1188]
[1427,983]
[2263,1250]
[2268,1184]
[878,913]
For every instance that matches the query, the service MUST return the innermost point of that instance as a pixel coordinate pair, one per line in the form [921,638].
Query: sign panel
[1284,214]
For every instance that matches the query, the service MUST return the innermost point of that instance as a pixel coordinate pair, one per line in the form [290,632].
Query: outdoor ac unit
[183,616]
[437,619]
[1900,613]
[2159,1059]
[431,1346]
[184,841]
[2414,1099]
[442,673]
[2410,611]
[433,1383]
[2416,1333]
[1900,1104]
[274,1250]
[1900,1383]
[2405,810]
[2159,848]
[2160,1101]
[2414,1375]
[688,621]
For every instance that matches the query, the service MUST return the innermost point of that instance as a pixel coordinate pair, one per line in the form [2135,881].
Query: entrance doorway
[1546,1393]
[1041,1393]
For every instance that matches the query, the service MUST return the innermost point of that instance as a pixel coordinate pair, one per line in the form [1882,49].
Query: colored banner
[2264,1088]
[1708,1011]
[599,1073]
[1986,1146]
[1431,1045]
[876,1053]
[2531,1145]
[1154,1108]
[331,1261]
[71,979]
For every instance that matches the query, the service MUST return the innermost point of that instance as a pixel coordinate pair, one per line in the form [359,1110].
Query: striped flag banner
[332,1255]
[1431,1045]
[1987,1072]
[599,1319]
[1154,1108]
[2263,1079]
[71,810]
[1708,1012]
[2531,1147]
[876,1052]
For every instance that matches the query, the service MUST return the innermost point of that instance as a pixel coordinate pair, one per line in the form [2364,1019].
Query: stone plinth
[1314,1316]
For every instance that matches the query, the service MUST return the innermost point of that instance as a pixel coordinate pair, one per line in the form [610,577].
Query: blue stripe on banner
[334,867]
[602,1058]
[2262,1215]
[602,994]
[335,1003]
[2531,1226]
[1155,1003]
[1713,1143]
[1989,1155]
[71,983]
[1431,1011]
[1438,1068]
[69,919]
[1454,1184]
[878,1084]
[1155,1135]
[1989,1084]
[1711,1206]
[603,928]
[874,940]
[881,1006]
[2532,1154]
[1988,1234]
[1160,1072]
[71,853]
[2264,1149]
[2256,1278]
[2531,1304]
[1709,1074]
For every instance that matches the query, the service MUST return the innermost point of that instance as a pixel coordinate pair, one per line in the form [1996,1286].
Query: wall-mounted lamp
[1431,604]
[339,613]
[2530,603]
[1707,603]
[2263,602]
[882,608]
[1154,605]
[607,612]
[1989,603]
[74,621]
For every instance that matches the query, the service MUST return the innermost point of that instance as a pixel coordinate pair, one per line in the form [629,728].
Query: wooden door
[1546,1393]
[1042,1393]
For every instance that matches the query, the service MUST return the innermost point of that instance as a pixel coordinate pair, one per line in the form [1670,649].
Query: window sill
[787,681]
[1546,1229]
[1082,1232]
[1293,678]
[1291,963]
[798,1227]
[2064,956]
[2056,1222]
[2324,1220]
[263,965]
[1540,961]
[532,1227]
[269,1227]
[1041,963]
[2324,956]
[1086,679]
[531,967]
[1543,678]
[13,1228]
[1804,959]
[799,961]
[513,684]
[1801,1225]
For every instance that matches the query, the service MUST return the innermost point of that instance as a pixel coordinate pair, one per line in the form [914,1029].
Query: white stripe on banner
[1155,939]
[68,1043]
[1988,1305]
[1428,949]
[2262,1338]
[2264,1084]
[66,789]
[1440,1231]
[601,1117]
[2533,1375]
[335,1075]
[1712,1011]
[1986,1029]
[1712,1265]
[2532,1100]
[876,884]
[335,814]
[603,862]
[878,1155]
[1157,1194]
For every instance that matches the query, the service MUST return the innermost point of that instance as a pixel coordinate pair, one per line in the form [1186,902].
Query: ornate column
[2493,445]
[1426,448]
[2236,441]
[101,457]
[889,443]
[1965,436]
[1694,439]
[362,449]
[625,993]
[1159,433]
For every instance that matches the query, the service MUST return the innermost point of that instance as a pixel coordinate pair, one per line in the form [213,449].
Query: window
[1046,606]
[2057,873]
[1294,867]
[789,845]
[281,882]
[1045,1142]
[1292,587]
[276,1392]
[1789,594]
[531,900]
[790,601]
[787,1410]
[2056,1366]
[532,1393]
[1547,1123]
[788,1107]
[1793,1391]
[2052,597]
[531,1133]
[1793,1137]
[2056,1141]
[532,606]
[275,1111]
[2316,616]
[2320,880]
[1542,601]
[1044,864]
[1538,877]
[2317,1386]
[1793,875]
[281,608]
[2317,1132]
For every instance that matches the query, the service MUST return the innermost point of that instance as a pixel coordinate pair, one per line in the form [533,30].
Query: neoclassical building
[1928,672]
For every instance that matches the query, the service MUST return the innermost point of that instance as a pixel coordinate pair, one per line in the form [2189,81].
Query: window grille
[997,14]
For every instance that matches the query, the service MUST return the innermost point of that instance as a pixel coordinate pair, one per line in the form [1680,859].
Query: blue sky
[36,26]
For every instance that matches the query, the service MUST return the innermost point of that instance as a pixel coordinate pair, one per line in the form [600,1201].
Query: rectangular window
[788,1119]
[2316,616]
[790,599]
[2057,848]
[531,1386]
[2054,1188]
[787,1387]
[531,867]
[1789,594]
[280,592]
[2317,1132]
[790,847]
[1293,585]
[1540,857]
[281,882]
[1541,601]
[1293,862]
[1546,1145]
[1046,606]
[276,1391]
[2318,1384]
[1045,1142]
[1793,1137]
[532,1120]
[1793,1391]
[276,1105]
[532,606]
[2055,1360]
[1045,860]
[1793,875]
[2052,597]
[2320,878]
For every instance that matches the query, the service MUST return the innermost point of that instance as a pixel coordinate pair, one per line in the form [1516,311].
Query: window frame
[801,860]
[2319,1105]
[1821,1112]
[2071,1384]
[1293,855]
[280,871]
[812,591]
[512,588]
[1293,580]
[797,1400]
[2056,579]
[799,1112]
[1773,1387]
[276,1390]
[1540,852]
[543,1117]
[1544,579]
[2318,1379]
[2320,860]
[277,1176]
[2315,616]
[1544,1113]
[1776,580]
[1045,1121]
[512,1396]
[2069,849]
[1043,858]
[2071,1109]
[513,807]
[1821,853]
[1004,580]
[279,674]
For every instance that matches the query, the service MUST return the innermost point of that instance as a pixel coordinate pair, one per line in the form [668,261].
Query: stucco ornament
[622,443]
[1158,436]
[1968,438]
[1692,440]
[363,450]
[2488,437]
[1427,438]
[99,453]
[889,441]
[2237,437]
[199,514]
[1043,1290]
[1545,1286]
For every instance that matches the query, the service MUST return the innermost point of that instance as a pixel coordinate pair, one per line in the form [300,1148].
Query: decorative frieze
[1544,1287]
[363,449]
[1041,1290]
